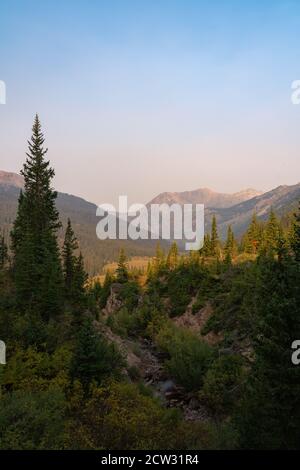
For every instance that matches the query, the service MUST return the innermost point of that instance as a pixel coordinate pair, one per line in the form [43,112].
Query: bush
[142,321]
[189,356]
[221,387]
[120,417]
[94,358]
[31,370]
[32,420]
[183,283]
[130,294]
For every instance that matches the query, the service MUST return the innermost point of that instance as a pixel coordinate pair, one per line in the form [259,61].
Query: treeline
[260,237]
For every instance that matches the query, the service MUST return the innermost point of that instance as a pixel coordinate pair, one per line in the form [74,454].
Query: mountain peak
[206,196]
[11,179]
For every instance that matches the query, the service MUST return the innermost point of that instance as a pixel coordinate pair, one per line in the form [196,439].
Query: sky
[141,97]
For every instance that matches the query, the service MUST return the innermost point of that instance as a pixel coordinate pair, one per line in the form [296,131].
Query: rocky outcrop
[196,321]
[113,303]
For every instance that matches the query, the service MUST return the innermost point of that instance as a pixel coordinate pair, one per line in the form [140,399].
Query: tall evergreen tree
[69,259]
[3,252]
[214,239]
[295,239]
[172,258]
[36,258]
[122,271]
[108,281]
[80,278]
[94,359]
[230,246]
[253,237]
[272,234]
[206,248]
[159,260]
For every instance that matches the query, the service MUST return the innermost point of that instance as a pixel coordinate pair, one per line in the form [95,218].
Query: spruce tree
[122,271]
[69,259]
[75,276]
[108,281]
[94,359]
[253,237]
[271,234]
[214,239]
[206,248]
[36,260]
[172,258]
[230,246]
[295,239]
[159,260]
[80,278]
[3,252]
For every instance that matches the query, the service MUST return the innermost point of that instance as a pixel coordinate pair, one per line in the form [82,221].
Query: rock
[113,303]
[167,386]
[225,352]
[194,404]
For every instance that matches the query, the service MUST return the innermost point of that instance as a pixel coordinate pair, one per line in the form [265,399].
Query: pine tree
[3,252]
[172,258]
[80,278]
[75,276]
[149,270]
[108,281]
[206,248]
[214,239]
[253,237]
[96,290]
[94,359]
[230,246]
[272,234]
[159,260]
[69,259]
[36,260]
[295,239]
[122,271]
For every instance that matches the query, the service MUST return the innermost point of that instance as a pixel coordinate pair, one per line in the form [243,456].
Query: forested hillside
[197,356]
[83,214]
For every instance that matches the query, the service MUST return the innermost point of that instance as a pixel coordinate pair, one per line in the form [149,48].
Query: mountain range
[205,196]
[235,209]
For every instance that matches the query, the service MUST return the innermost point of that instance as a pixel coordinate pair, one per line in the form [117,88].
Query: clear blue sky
[139,97]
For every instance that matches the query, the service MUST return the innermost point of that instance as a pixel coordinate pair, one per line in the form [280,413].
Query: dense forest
[195,355]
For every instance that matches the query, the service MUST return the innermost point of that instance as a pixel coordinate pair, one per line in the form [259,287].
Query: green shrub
[222,382]
[120,417]
[130,294]
[32,420]
[189,356]
[94,359]
[143,321]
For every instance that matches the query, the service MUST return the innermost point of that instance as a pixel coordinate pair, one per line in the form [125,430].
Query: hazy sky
[140,97]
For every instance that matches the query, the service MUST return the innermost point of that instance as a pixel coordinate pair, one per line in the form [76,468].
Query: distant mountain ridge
[282,200]
[205,196]
[11,179]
